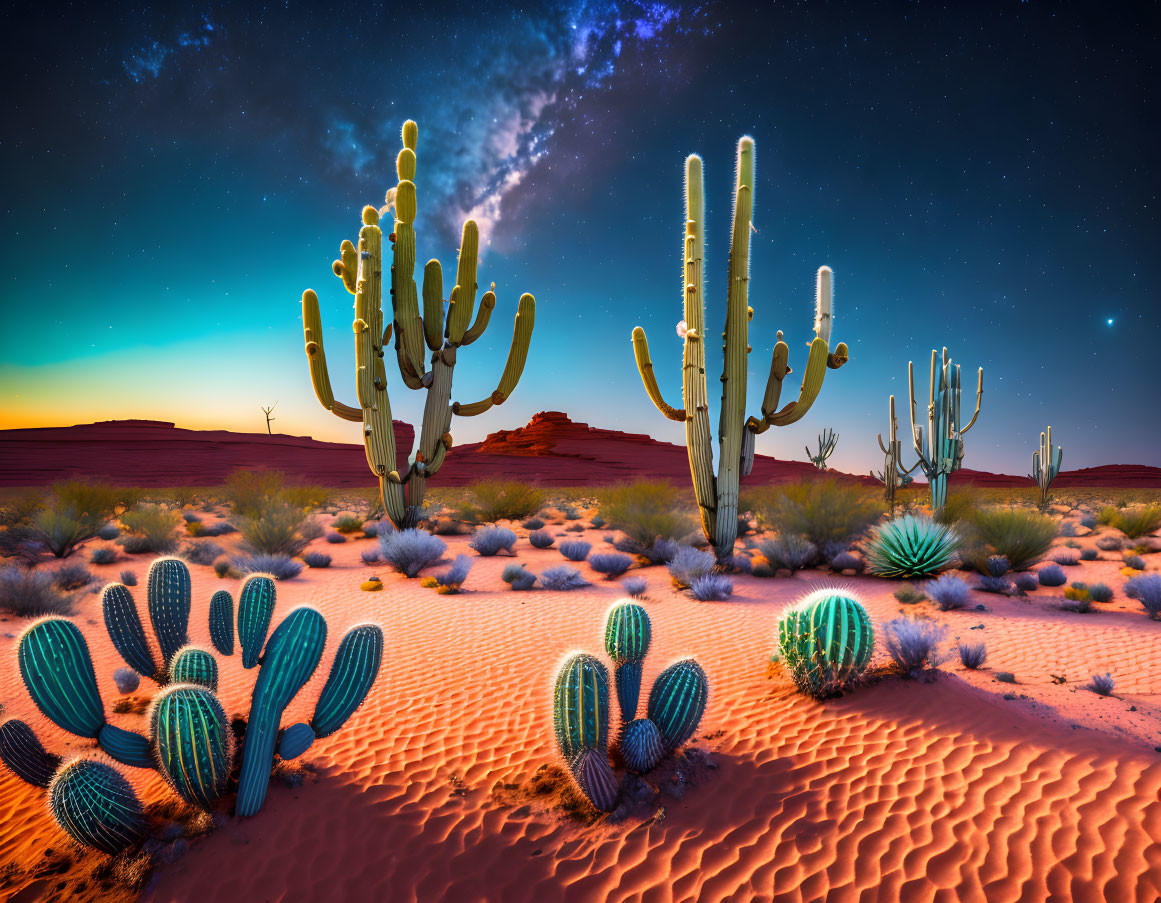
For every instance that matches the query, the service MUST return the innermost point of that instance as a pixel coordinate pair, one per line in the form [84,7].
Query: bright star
[1110,321]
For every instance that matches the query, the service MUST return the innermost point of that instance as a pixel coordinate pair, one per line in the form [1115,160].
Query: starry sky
[981,176]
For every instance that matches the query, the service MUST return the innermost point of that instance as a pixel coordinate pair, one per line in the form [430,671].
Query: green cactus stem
[717,497]
[96,806]
[944,452]
[361,272]
[893,475]
[627,637]
[58,671]
[255,611]
[826,445]
[124,627]
[193,741]
[295,740]
[22,752]
[222,622]
[1046,466]
[677,702]
[352,675]
[826,641]
[169,604]
[292,654]
[581,707]
[193,665]
[127,747]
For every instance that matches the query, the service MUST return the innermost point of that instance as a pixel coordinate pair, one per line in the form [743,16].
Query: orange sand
[899,791]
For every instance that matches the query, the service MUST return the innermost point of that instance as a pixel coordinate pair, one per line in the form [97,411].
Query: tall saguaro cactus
[1046,465]
[944,453]
[826,443]
[893,475]
[717,497]
[360,270]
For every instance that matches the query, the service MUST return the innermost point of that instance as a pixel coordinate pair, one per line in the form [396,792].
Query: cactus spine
[1046,465]
[826,443]
[944,453]
[717,497]
[893,475]
[96,806]
[193,741]
[361,273]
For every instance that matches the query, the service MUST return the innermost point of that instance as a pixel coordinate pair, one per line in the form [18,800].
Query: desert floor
[960,788]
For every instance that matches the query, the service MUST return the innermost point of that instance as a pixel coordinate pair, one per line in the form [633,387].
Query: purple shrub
[562,577]
[129,578]
[103,556]
[1051,575]
[972,655]
[1100,592]
[541,539]
[72,576]
[410,551]
[913,644]
[449,582]
[317,560]
[845,561]
[517,577]
[29,594]
[1146,589]
[1025,583]
[334,538]
[712,587]
[492,540]
[371,556]
[989,584]
[280,567]
[635,586]
[688,564]
[611,564]
[1066,557]
[575,550]
[948,592]
[1102,684]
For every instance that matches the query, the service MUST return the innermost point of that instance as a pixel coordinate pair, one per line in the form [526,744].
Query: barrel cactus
[96,806]
[826,640]
[193,741]
[194,665]
[581,707]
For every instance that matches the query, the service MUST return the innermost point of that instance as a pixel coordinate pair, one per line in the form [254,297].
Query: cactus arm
[463,298]
[433,305]
[483,315]
[436,417]
[816,366]
[778,372]
[409,327]
[347,266]
[645,368]
[979,398]
[514,367]
[917,431]
[317,359]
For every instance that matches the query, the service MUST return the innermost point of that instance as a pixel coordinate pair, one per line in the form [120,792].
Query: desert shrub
[972,655]
[597,522]
[960,506]
[1025,583]
[517,577]
[1079,605]
[1051,575]
[151,529]
[742,564]
[1078,592]
[948,592]
[570,513]
[31,594]
[277,529]
[494,500]
[635,586]
[1021,535]
[280,567]
[712,587]
[1005,677]
[821,510]
[660,552]
[317,559]
[492,540]
[20,508]
[222,567]
[645,510]
[1107,515]
[908,594]
[251,492]
[103,556]
[1067,528]
[574,528]
[1102,684]
[541,539]
[1100,592]
[334,538]
[129,578]
[688,564]
[370,530]
[1136,562]
[347,523]
[1146,589]
[410,551]
[1066,557]
[909,546]
[205,551]
[533,523]
[108,532]
[788,551]
[845,561]
[61,531]
[221,528]
[302,496]
[1109,543]
[990,584]
[1088,554]
[576,549]
[371,556]
[913,644]
[195,528]
[1139,521]
[611,564]
[997,566]
[448,582]
[562,577]
[72,577]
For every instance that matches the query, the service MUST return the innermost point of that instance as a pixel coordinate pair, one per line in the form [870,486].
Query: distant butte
[551,450]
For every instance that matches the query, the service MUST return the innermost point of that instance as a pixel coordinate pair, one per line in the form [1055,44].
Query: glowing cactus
[717,497]
[826,641]
[360,270]
[194,743]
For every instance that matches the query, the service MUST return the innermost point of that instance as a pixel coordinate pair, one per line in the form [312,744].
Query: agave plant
[189,740]
[910,546]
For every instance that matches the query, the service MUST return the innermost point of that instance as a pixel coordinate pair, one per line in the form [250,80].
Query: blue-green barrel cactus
[642,746]
[170,596]
[255,611]
[677,702]
[292,654]
[826,641]
[193,741]
[222,621]
[581,720]
[910,547]
[353,672]
[22,752]
[95,805]
[627,637]
[193,665]
[123,624]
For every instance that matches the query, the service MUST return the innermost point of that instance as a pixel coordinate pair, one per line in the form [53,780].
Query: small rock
[127,680]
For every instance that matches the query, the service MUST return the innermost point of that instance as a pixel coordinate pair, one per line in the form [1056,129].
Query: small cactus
[677,702]
[194,743]
[96,806]
[169,604]
[124,627]
[627,637]
[255,611]
[826,641]
[826,445]
[222,622]
[22,752]
[193,665]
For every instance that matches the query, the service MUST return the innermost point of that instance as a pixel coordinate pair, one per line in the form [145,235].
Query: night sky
[980,175]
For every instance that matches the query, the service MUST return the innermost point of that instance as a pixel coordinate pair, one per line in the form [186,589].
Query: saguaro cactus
[944,453]
[1046,465]
[717,497]
[361,273]
[893,475]
[826,443]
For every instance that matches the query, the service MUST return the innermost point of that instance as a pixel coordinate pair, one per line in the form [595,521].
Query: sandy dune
[901,790]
